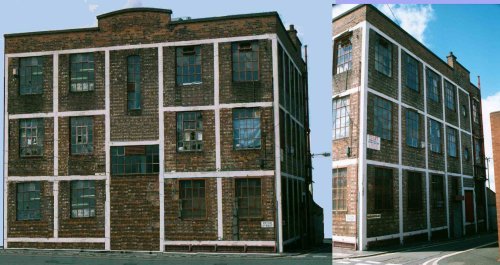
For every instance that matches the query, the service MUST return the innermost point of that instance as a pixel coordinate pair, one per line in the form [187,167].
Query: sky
[470,32]
[313,22]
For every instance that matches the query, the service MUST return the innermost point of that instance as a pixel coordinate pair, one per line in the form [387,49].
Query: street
[475,250]
[33,257]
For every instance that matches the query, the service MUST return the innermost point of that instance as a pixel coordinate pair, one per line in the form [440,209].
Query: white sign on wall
[267,224]
[350,218]
[373,142]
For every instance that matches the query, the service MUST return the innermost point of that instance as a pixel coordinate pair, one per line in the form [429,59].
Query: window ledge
[189,84]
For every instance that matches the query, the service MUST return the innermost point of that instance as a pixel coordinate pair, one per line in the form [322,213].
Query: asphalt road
[28,257]
[433,254]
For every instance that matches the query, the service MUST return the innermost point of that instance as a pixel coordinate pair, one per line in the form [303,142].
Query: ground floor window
[248,195]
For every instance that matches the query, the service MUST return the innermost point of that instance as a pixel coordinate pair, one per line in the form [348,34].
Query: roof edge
[134,9]
[44,32]
[194,20]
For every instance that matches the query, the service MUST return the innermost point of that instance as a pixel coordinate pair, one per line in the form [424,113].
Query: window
[246,128]
[192,199]
[340,189]
[188,65]
[82,198]
[412,121]
[30,75]
[466,154]
[248,195]
[31,139]
[449,95]
[463,109]
[475,111]
[383,189]
[140,159]
[412,73]
[82,72]
[415,200]
[189,131]
[134,82]
[383,118]
[452,142]
[82,135]
[28,201]
[344,54]
[245,61]
[341,120]
[477,152]
[433,81]
[437,191]
[435,136]
[383,56]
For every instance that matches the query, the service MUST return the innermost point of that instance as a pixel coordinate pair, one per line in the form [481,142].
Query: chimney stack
[292,33]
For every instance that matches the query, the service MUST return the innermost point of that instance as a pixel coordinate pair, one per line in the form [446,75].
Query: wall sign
[373,142]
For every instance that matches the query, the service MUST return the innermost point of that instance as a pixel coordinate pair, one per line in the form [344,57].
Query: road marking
[436,260]
[319,256]
[343,262]
[374,262]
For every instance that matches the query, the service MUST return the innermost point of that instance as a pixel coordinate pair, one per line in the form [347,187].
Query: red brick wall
[495,135]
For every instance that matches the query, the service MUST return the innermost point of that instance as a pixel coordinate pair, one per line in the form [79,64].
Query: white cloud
[490,104]
[133,3]
[412,18]
[339,9]
[93,7]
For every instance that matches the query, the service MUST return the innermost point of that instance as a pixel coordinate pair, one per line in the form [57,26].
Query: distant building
[408,160]
[495,137]
[148,133]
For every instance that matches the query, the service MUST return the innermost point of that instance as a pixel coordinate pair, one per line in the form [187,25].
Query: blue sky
[312,20]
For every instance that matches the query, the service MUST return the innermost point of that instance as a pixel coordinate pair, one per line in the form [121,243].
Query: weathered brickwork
[495,136]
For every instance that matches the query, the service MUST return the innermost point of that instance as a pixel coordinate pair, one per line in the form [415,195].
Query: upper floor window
[82,198]
[452,142]
[383,118]
[31,137]
[341,120]
[383,189]
[82,135]
[82,72]
[415,198]
[28,201]
[245,61]
[435,136]
[248,196]
[383,56]
[433,86]
[340,189]
[412,122]
[246,128]
[477,152]
[188,65]
[412,73]
[475,111]
[30,75]
[344,54]
[449,95]
[437,191]
[189,131]
[139,159]
[134,82]
[192,199]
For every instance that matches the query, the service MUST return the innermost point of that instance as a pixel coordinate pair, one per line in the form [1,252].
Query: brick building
[153,133]
[495,139]
[408,160]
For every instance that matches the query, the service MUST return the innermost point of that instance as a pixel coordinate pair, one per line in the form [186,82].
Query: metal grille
[248,195]
[192,199]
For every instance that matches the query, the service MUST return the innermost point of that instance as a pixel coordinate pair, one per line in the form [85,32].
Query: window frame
[82,122]
[437,125]
[382,118]
[412,128]
[339,200]
[433,86]
[258,198]
[342,106]
[451,140]
[475,111]
[437,191]
[450,96]
[384,202]
[28,214]
[478,152]
[412,73]
[134,80]
[237,50]
[343,51]
[189,59]
[146,155]
[88,186]
[40,137]
[76,71]
[31,88]
[192,198]
[182,120]
[383,56]
[247,115]
[415,189]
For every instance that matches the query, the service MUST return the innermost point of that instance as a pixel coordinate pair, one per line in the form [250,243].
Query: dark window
[383,189]
[192,199]
[28,201]
[341,120]
[437,191]
[82,72]
[433,86]
[82,198]
[189,131]
[449,95]
[30,75]
[245,61]
[383,118]
[412,122]
[140,159]
[383,56]
[344,54]
[477,152]
[475,111]
[463,109]
[466,154]
[134,82]
[411,73]
[248,195]
[188,65]
[82,135]
[451,142]
[435,136]
[415,198]
[31,137]
[340,189]
[246,128]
